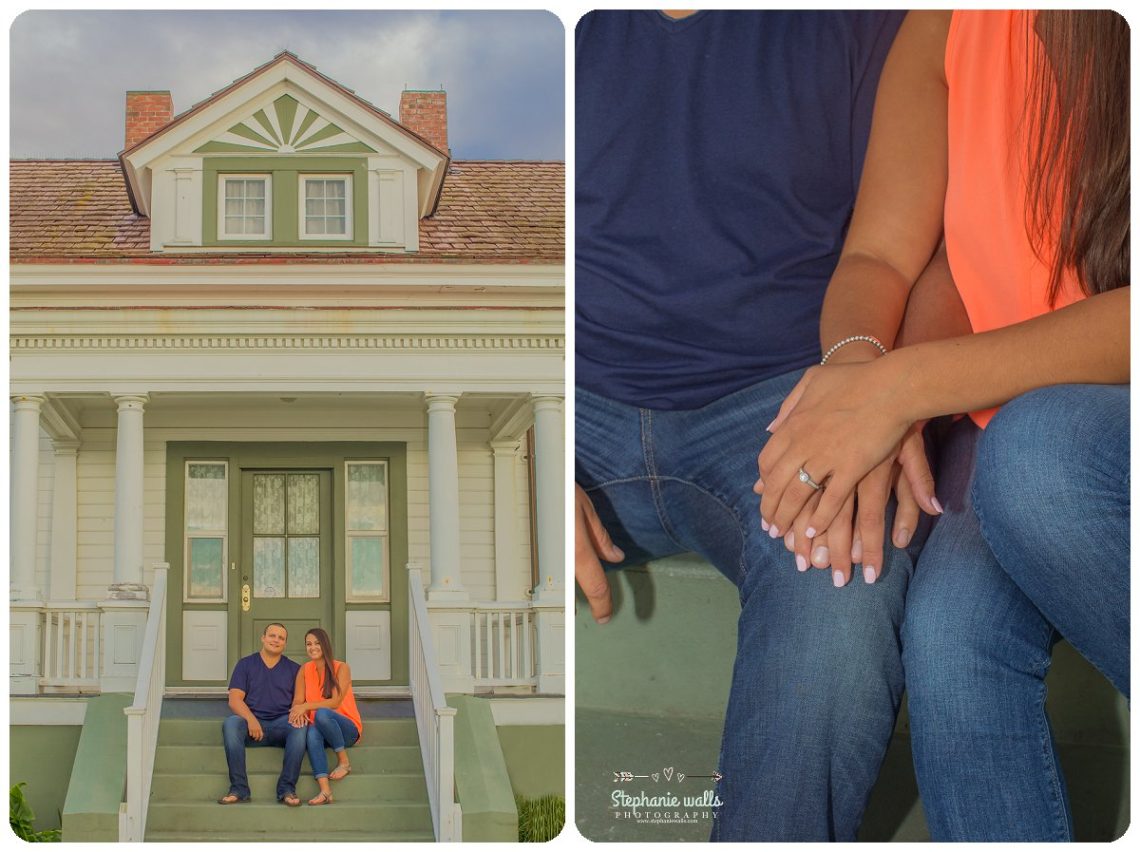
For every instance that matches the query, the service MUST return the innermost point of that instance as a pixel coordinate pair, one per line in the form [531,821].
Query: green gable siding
[284,171]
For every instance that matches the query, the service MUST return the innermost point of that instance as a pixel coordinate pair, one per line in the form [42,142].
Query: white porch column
[63,521]
[510,584]
[128,576]
[443,499]
[24,496]
[24,611]
[549,497]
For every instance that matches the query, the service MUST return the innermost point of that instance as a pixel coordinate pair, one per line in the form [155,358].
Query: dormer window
[326,212]
[244,206]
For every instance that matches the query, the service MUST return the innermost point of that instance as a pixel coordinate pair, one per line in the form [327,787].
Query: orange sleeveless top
[314,680]
[998,275]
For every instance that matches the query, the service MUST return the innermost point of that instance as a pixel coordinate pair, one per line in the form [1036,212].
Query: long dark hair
[1079,188]
[329,681]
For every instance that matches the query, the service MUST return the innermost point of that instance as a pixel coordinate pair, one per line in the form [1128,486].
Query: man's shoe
[291,799]
[233,799]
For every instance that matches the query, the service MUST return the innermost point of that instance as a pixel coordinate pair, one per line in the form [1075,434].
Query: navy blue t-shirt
[268,691]
[718,158]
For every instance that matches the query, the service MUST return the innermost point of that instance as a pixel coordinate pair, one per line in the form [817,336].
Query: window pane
[334,189]
[334,207]
[303,502]
[255,207]
[367,496]
[315,189]
[304,568]
[366,566]
[235,225]
[314,225]
[233,189]
[206,497]
[314,207]
[206,568]
[254,189]
[335,225]
[269,567]
[268,503]
[234,207]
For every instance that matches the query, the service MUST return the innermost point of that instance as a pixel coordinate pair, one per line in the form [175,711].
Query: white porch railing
[434,719]
[144,713]
[503,646]
[71,652]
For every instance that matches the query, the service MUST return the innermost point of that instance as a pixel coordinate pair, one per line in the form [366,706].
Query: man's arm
[934,310]
[238,706]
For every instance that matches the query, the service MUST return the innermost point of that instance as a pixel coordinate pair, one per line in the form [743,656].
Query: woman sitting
[1005,134]
[324,700]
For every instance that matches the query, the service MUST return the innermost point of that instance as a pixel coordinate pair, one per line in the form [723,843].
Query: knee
[234,728]
[322,715]
[1046,451]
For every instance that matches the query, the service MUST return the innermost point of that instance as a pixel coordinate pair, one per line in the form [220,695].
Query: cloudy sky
[503,71]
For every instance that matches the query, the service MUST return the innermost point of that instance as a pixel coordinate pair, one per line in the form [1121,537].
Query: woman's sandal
[321,799]
[291,799]
[344,769]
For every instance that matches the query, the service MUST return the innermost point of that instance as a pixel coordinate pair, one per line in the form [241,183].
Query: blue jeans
[277,732]
[818,677]
[332,729]
[1035,549]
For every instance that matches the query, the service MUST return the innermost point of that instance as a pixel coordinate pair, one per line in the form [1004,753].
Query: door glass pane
[303,502]
[366,566]
[206,497]
[269,567]
[367,491]
[268,504]
[206,568]
[304,568]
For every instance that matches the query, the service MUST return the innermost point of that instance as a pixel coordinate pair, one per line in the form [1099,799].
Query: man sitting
[261,693]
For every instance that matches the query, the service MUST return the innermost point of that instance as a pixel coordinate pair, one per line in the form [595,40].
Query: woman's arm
[897,223]
[842,422]
[340,689]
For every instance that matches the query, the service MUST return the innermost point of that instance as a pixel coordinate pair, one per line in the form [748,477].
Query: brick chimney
[425,113]
[146,113]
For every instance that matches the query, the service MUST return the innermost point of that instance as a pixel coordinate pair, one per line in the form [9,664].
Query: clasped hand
[842,425]
[298,716]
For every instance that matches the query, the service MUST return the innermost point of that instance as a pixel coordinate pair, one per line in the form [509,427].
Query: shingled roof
[77,211]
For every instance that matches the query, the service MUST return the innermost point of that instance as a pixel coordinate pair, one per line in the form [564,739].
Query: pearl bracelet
[865,337]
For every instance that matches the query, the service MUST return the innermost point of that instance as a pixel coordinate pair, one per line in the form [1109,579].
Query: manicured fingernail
[821,557]
[619,553]
[790,541]
[764,525]
[837,579]
[937,505]
[902,537]
[603,620]
[810,532]
[758,487]
[869,573]
[772,531]
[768,428]
[801,563]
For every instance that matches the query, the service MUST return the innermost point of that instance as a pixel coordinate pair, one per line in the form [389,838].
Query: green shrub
[22,820]
[540,819]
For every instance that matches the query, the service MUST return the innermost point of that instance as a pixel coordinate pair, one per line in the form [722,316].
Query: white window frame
[385,595]
[265,178]
[301,198]
[187,536]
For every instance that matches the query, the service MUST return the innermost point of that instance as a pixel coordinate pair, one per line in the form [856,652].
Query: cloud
[503,71]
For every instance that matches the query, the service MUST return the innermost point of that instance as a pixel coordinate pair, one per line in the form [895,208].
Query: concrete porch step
[304,823]
[208,732]
[291,837]
[365,759]
[358,787]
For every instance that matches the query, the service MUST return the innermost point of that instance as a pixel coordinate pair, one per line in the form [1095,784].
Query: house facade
[289,355]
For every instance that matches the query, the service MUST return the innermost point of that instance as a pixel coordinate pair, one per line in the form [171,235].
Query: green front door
[286,570]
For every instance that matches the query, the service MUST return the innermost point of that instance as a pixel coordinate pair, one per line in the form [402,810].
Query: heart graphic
[680,777]
[668,773]
[656,776]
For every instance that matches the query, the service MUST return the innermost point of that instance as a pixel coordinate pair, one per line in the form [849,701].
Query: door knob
[245,598]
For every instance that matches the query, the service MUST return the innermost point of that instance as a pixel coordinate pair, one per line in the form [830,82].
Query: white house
[279,357]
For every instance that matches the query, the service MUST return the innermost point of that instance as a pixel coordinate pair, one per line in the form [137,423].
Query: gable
[286,126]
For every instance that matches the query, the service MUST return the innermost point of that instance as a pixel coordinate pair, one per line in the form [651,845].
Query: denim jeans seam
[653,479]
[1057,805]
